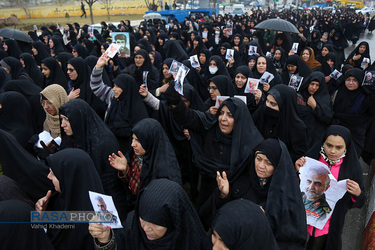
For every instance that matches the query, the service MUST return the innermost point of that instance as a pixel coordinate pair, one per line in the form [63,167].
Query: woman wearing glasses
[79,78]
[219,86]
[352,106]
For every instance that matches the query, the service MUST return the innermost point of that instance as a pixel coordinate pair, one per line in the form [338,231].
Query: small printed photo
[194,61]
[112,50]
[295,82]
[204,34]
[105,209]
[267,77]
[220,99]
[179,81]
[251,85]
[335,74]
[174,67]
[252,50]
[295,47]
[269,55]
[242,97]
[229,54]
[365,62]
[145,77]
[369,78]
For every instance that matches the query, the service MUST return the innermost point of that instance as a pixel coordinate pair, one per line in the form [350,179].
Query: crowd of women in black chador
[130,135]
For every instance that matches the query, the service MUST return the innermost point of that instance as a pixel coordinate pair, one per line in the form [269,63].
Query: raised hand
[98,231]
[118,162]
[300,162]
[42,203]
[222,184]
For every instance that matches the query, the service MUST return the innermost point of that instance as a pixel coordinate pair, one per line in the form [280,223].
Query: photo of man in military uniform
[316,183]
[103,214]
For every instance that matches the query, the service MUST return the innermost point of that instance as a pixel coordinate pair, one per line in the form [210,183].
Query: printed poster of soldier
[122,39]
[105,209]
[320,192]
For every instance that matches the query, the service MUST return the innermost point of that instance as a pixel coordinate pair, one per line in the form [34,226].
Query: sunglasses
[70,69]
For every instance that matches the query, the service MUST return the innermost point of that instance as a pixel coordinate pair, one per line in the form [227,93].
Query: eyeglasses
[70,69]
[46,103]
[213,88]
[351,80]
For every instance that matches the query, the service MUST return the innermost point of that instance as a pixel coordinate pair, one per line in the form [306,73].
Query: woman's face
[5,46]
[279,41]
[49,107]
[226,120]
[45,70]
[152,231]
[166,73]
[272,103]
[261,65]
[277,55]
[65,124]
[102,49]
[217,242]
[263,166]
[54,180]
[240,80]
[351,83]
[214,91]
[325,51]
[116,90]
[330,63]
[137,146]
[161,41]
[75,53]
[246,40]
[223,50]
[35,51]
[192,36]
[152,58]
[22,62]
[251,63]
[51,45]
[305,55]
[139,60]
[67,27]
[236,40]
[313,87]
[72,72]
[334,147]
[291,68]
[202,58]
[136,48]
[362,49]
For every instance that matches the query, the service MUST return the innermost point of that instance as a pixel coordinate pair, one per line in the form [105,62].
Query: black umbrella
[16,35]
[277,24]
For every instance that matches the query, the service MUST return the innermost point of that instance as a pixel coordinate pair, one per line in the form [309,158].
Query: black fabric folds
[23,168]
[77,176]
[242,225]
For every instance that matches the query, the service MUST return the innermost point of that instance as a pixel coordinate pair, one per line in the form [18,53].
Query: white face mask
[213,70]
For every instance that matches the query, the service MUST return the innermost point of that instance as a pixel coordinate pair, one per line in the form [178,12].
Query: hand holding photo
[105,210]
[179,81]
[122,39]
[251,85]
[145,77]
[295,47]
[335,74]
[369,78]
[229,54]
[194,61]
[112,50]
[320,192]
[295,82]
[267,77]
[252,50]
